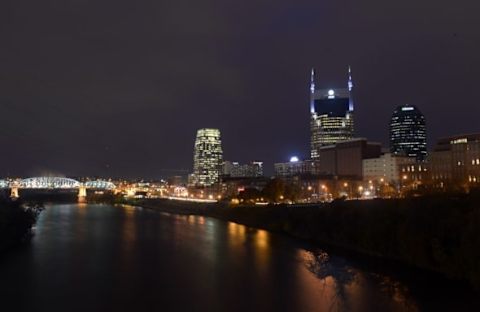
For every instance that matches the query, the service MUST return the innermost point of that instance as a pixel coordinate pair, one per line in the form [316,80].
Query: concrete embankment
[437,233]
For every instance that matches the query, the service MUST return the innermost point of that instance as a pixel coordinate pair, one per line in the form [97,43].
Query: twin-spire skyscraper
[331,112]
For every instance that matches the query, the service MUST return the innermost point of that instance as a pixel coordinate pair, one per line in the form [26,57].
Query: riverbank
[438,233]
[16,222]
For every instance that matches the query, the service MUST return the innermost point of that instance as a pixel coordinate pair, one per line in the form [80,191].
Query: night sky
[119,88]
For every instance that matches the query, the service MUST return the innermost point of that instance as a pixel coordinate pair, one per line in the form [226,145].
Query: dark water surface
[106,258]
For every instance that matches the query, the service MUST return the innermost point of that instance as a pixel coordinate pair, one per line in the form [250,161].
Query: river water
[87,257]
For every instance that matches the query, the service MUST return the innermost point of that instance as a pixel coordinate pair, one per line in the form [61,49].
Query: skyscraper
[331,112]
[207,159]
[408,134]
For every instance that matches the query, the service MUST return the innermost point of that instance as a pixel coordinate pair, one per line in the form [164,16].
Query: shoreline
[376,229]
[16,222]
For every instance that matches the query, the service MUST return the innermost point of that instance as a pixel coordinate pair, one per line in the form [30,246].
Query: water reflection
[129,226]
[352,289]
[129,232]
[322,282]
[129,259]
[236,233]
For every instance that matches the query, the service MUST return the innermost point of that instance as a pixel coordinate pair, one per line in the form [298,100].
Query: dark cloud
[120,87]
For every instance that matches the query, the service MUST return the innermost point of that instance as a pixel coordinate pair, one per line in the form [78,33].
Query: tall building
[331,112]
[207,159]
[408,134]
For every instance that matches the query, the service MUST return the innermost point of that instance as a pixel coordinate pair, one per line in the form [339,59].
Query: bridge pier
[82,194]
[14,192]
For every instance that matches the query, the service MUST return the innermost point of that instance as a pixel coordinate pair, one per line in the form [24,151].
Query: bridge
[55,183]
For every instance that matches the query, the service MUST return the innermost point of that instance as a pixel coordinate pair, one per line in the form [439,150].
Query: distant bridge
[55,183]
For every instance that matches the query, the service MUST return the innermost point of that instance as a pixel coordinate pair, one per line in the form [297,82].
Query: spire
[350,82]
[312,80]
[350,88]
[312,90]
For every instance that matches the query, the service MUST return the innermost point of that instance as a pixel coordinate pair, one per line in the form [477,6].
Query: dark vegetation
[276,190]
[438,233]
[16,221]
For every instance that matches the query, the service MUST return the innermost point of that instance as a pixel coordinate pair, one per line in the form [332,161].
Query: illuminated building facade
[235,170]
[455,161]
[296,167]
[331,112]
[387,168]
[208,158]
[408,134]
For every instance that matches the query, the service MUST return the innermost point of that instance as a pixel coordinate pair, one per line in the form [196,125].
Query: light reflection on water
[129,259]
[342,288]
[352,288]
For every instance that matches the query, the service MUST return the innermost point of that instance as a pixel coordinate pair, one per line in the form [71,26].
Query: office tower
[408,134]
[331,113]
[207,159]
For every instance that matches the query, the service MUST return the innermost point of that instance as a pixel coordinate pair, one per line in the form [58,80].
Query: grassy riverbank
[16,223]
[439,233]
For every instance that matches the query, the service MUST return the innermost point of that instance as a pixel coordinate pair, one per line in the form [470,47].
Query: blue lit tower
[331,112]
[408,134]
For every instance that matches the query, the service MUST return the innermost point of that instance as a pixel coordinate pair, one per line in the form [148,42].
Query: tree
[274,191]
[16,222]
[250,195]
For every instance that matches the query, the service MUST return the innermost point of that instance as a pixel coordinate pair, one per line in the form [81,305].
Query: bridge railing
[49,183]
[55,183]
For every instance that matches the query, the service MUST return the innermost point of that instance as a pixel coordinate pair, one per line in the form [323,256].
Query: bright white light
[294,159]
[331,92]
[407,108]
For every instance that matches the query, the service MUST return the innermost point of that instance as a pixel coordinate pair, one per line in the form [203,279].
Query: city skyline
[72,108]
[239,155]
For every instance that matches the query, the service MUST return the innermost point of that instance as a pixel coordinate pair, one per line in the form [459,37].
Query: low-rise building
[349,156]
[237,170]
[387,168]
[296,167]
[343,160]
[455,161]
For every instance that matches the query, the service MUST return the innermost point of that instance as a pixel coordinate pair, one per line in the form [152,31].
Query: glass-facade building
[331,119]
[408,133]
[207,158]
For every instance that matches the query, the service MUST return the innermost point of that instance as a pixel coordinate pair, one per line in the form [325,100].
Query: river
[86,257]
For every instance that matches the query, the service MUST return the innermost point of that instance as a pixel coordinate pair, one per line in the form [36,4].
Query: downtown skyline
[130,106]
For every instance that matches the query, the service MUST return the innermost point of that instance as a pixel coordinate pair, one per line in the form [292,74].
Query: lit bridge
[55,183]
